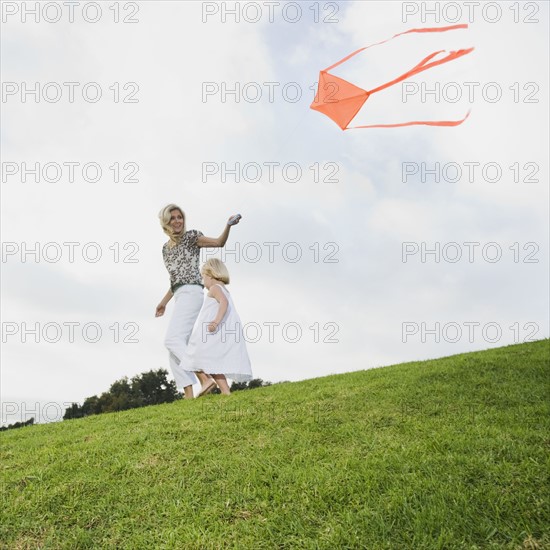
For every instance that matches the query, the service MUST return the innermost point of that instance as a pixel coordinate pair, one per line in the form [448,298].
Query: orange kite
[340,100]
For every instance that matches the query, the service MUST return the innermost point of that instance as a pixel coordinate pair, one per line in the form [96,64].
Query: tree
[149,388]
[237,386]
[154,388]
[257,383]
[74,411]
[17,425]
[122,396]
[90,405]
[254,383]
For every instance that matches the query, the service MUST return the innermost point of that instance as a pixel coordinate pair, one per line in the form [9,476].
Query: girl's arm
[162,306]
[210,242]
[217,293]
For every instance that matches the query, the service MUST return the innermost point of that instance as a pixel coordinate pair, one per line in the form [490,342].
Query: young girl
[217,346]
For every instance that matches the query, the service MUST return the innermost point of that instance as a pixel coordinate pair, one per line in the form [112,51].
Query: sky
[357,249]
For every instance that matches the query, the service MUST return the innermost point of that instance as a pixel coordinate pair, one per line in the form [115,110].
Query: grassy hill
[449,453]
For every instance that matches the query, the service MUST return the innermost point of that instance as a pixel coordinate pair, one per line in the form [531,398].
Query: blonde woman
[217,345]
[181,258]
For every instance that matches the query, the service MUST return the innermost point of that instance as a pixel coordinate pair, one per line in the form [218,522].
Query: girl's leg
[221,380]
[207,383]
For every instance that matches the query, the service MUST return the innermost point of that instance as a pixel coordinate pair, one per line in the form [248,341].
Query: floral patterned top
[182,261]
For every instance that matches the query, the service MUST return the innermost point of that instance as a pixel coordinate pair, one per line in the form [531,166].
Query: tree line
[17,425]
[149,388]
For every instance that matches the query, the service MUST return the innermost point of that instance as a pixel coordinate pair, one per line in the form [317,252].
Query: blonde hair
[164,216]
[216,269]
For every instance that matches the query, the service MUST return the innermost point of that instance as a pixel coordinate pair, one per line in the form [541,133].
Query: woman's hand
[160,310]
[212,326]
[234,220]
[162,306]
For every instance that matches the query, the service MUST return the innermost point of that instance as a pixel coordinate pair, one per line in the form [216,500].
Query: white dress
[222,351]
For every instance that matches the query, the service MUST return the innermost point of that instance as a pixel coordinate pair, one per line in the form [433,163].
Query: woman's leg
[187,304]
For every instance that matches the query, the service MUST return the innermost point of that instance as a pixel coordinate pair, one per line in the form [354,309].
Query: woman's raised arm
[211,242]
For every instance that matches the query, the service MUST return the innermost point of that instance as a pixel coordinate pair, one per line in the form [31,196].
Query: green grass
[448,453]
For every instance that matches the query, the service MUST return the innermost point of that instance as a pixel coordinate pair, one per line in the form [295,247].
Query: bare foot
[221,380]
[207,389]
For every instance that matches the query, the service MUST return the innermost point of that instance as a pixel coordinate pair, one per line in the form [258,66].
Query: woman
[181,257]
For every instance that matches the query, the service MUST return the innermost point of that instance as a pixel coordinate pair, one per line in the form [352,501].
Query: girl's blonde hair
[216,269]
[164,216]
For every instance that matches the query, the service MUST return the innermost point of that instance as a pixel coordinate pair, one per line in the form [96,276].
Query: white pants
[188,302]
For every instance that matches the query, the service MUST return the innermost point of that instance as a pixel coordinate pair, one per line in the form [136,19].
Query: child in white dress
[217,346]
